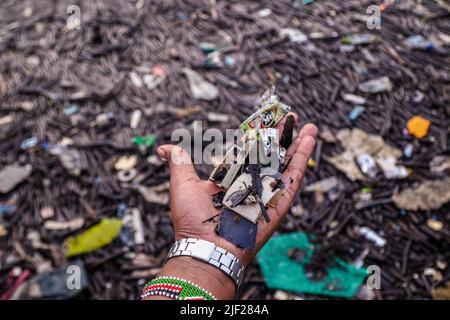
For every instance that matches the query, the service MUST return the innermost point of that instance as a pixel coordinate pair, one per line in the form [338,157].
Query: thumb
[180,164]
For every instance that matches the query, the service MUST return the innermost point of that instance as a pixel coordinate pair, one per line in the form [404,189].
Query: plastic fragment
[377,85]
[6,119]
[70,110]
[418,96]
[442,292]
[356,112]
[127,175]
[147,141]
[359,39]
[103,119]
[156,194]
[367,164]
[359,68]
[3,230]
[12,175]
[71,225]
[207,47]
[281,295]
[93,238]
[28,143]
[270,113]
[294,35]
[217,117]
[419,42]
[71,160]
[408,151]
[418,126]
[7,208]
[136,79]
[390,169]
[132,232]
[264,13]
[241,187]
[440,164]
[152,80]
[327,135]
[324,185]
[371,235]
[237,229]
[135,118]
[331,186]
[126,162]
[347,48]
[229,60]
[357,142]
[47,212]
[353,98]
[434,224]
[429,195]
[284,273]
[58,284]
[213,60]
[200,88]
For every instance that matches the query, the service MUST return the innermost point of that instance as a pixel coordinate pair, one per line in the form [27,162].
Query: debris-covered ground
[82,109]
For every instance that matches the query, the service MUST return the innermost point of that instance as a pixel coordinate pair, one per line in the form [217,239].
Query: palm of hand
[191,198]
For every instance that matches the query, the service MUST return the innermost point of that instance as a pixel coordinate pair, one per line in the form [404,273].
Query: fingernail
[161,154]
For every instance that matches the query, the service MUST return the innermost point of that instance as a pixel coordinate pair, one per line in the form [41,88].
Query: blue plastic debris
[72,109]
[408,150]
[356,112]
[419,42]
[237,229]
[121,209]
[29,143]
[347,48]
[6,208]
[60,284]
[229,60]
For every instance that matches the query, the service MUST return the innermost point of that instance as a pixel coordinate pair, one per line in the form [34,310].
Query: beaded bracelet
[175,288]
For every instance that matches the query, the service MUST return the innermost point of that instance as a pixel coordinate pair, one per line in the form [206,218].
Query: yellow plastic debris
[94,238]
[3,231]
[442,293]
[418,126]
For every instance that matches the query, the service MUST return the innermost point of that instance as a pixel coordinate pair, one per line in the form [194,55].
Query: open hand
[191,198]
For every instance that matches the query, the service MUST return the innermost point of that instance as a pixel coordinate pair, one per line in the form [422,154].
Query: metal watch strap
[210,253]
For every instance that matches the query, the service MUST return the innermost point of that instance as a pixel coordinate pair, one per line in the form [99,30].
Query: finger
[180,164]
[299,161]
[308,129]
[295,170]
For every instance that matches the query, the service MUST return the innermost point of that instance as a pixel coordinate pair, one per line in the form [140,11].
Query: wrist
[202,274]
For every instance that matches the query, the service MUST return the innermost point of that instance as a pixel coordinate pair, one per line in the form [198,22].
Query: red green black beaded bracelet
[175,288]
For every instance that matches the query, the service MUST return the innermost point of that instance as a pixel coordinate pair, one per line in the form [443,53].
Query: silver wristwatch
[210,253]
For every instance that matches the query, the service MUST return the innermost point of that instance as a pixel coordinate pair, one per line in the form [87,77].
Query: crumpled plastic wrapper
[357,142]
[431,194]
